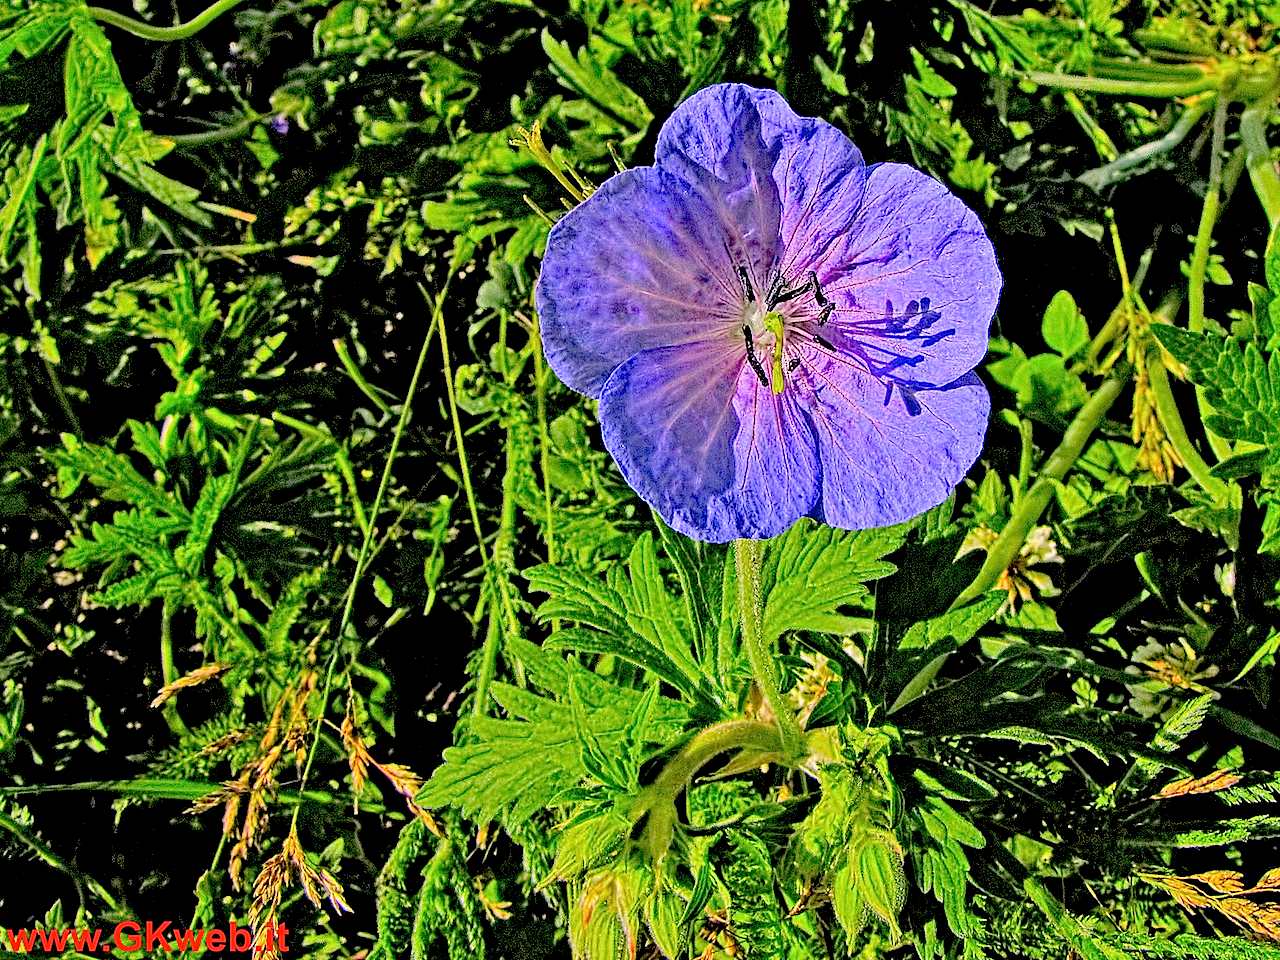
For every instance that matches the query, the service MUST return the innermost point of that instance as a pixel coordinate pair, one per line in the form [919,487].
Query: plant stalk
[149,31]
[748,555]
[169,670]
[658,799]
[1262,168]
[1031,505]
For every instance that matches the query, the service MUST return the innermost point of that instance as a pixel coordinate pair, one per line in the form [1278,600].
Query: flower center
[764,326]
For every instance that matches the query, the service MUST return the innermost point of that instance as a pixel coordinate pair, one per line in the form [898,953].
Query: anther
[819,297]
[822,341]
[752,358]
[747,290]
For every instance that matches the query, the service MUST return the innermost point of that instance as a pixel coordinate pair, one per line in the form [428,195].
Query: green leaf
[20,183]
[1241,384]
[630,614]
[590,79]
[1064,327]
[515,767]
[811,571]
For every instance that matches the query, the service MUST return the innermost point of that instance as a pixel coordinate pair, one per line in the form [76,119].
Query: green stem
[1262,168]
[234,131]
[1167,409]
[500,603]
[658,800]
[1026,513]
[1208,217]
[45,853]
[1135,88]
[56,383]
[747,556]
[1032,504]
[367,541]
[150,32]
[1102,177]
[1200,266]
[1102,143]
[544,437]
[169,670]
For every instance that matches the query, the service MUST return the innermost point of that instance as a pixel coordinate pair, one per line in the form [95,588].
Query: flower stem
[1102,177]
[150,32]
[1208,216]
[1026,513]
[544,436]
[658,799]
[1136,88]
[747,556]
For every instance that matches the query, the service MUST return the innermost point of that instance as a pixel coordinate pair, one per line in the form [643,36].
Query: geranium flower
[773,329]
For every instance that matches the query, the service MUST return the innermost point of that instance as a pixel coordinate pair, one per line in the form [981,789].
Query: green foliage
[287,461]
[529,762]
[100,134]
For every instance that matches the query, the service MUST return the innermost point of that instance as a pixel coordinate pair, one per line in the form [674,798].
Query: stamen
[747,290]
[781,295]
[751,356]
[819,297]
[822,341]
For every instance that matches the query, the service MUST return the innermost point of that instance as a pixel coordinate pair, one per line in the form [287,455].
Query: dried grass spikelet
[193,679]
[225,742]
[254,786]
[1209,783]
[281,871]
[229,790]
[1225,893]
[405,782]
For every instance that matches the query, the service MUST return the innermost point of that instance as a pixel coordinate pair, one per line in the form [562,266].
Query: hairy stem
[1026,513]
[1102,177]
[544,436]
[747,557]
[234,131]
[1208,216]
[1135,88]
[1199,268]
[148,31]
[658,800]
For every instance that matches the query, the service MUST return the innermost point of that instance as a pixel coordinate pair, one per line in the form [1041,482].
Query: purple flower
[774,330]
